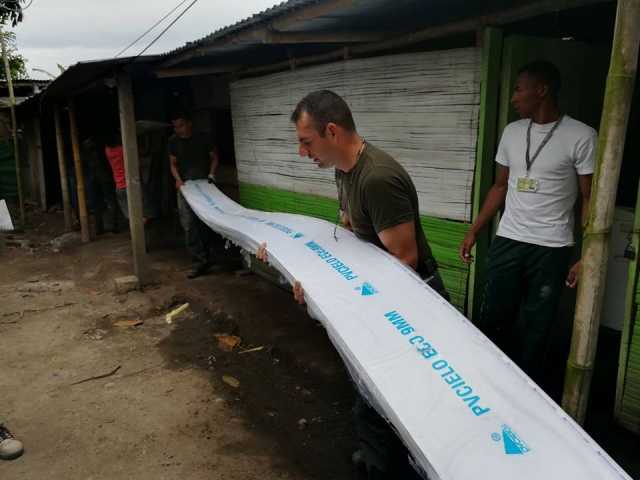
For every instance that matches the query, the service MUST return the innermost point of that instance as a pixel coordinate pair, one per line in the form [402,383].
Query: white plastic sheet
[463,409]
[6,225]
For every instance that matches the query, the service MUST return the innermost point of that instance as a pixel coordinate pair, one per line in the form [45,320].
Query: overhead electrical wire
[140,37]
[166,28]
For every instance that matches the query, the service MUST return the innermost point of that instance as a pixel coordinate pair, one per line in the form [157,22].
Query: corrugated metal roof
[386,17]
[83,73]
[260,17]
[390,18]
[78,76]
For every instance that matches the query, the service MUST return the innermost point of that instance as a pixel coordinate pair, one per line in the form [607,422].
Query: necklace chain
[335,227]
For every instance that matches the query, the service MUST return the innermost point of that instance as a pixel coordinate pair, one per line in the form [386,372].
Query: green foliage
[11,11]
[17,63]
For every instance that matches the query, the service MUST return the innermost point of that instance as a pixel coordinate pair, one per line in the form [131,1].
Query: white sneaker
[10,448]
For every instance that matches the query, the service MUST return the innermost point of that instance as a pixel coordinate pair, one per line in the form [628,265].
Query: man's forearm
[400,241]
[584,183]
[174,172]
[585,212]
[406,254]
[214,163]
[409,258]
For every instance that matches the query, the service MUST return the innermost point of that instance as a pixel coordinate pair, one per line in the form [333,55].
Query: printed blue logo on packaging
[513,444]
[367,289]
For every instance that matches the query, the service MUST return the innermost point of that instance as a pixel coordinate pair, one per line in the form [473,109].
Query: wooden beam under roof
[266,36]
[195,71]
[278,37]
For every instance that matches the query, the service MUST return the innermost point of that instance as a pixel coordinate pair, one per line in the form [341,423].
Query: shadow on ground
[307,413]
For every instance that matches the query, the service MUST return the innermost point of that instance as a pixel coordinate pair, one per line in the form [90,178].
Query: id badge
[526,184]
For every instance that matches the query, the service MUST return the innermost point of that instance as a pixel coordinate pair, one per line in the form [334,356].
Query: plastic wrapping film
[6,225]
[462,408]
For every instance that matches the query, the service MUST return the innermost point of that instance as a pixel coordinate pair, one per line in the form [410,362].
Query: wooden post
[132,171]
[491,45]
[14,125]
[62,166]
[613,129]
[39,162]
[77,162]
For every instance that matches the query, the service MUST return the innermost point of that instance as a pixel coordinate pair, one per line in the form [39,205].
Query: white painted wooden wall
[422,108]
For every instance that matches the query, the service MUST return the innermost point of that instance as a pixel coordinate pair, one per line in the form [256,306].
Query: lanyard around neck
[529,160]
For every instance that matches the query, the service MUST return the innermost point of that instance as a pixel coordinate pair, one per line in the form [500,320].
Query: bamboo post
[14,125]
[613,126]
[77,162]
[132,172]
[62,166]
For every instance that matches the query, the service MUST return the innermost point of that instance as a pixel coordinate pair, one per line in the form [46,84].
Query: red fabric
[115,155]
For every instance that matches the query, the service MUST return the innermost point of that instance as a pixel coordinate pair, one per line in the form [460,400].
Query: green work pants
[524,284]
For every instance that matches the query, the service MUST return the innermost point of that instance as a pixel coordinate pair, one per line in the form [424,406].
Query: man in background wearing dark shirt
[192,156]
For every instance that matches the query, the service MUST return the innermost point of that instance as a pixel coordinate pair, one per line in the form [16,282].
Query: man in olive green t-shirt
[379,203]
[376,195]
[378,200]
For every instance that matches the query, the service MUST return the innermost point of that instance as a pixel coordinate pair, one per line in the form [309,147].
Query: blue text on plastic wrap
[452,378]
[334,262]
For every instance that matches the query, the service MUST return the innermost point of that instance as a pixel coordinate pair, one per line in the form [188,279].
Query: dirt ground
[161,409]
[99,387]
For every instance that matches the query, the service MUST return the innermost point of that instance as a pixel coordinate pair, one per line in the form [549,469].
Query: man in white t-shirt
[543,161]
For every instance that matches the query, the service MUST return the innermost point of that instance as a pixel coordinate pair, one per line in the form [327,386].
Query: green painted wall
[491,62]
[628,411]
[444,235]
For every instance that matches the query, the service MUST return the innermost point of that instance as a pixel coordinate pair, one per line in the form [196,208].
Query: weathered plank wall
[421,107]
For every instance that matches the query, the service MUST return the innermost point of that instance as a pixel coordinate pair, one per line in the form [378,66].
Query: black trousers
[520,301]
[197,234]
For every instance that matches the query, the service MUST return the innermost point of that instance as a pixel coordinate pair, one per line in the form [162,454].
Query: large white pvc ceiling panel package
[463,409]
